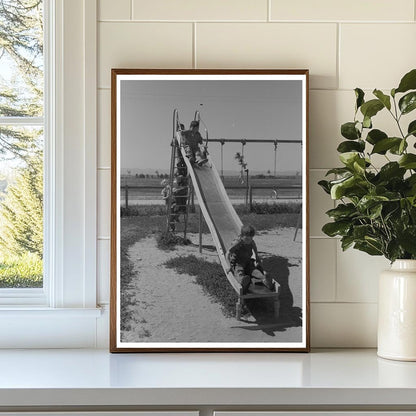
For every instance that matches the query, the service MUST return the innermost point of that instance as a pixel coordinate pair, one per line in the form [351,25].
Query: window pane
[21,58]
[21,211]
[21,145]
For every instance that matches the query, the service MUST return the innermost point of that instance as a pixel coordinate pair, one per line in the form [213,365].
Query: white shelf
[59,378]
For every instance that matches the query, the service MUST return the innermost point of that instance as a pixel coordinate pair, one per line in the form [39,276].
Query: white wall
[345,44]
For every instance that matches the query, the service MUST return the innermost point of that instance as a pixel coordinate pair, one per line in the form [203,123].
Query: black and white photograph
[209,243]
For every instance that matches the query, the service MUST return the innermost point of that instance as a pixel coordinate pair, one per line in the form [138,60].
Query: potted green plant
[376,209]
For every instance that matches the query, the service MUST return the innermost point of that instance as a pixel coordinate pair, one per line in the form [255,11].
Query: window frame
[37,296]
[70,208]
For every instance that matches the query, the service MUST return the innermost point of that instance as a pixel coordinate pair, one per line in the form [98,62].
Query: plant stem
[397,118]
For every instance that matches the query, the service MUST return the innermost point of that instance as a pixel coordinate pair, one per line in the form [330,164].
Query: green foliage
[21,32]
[21,271]
[21,212]
[21,51]
[21,95]
[211,277]
[376,211]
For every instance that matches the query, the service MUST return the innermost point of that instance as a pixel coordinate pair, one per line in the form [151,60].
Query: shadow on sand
[208,247]
[262,310]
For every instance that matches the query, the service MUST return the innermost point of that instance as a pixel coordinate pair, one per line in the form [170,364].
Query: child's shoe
[244,310]
[201,162]
[269,284]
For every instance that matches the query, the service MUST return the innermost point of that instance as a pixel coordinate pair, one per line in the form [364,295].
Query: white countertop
[96,377]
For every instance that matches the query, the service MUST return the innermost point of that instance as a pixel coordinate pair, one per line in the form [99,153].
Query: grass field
[21,272]
[277,207]
[228,181]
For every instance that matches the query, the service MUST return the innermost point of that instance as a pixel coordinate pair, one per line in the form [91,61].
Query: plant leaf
[338,171]
[375,136]
[390,170]
[371,108]
[393,250]
[367,122]
[346,242]
[386,144]
[411,130]
[375,211]
[342,211]
[408,82]
[348,158]
[349,146]
[398,149]
[385,99]
[411,185]
[408,102]
[374,242]
[336,228]
[325,186]
[349,131]
[351,185]
[407,240]
[369,201]
[359,94]
[338,189]
[367,248]
[402,147]
[408,161]
[359,165]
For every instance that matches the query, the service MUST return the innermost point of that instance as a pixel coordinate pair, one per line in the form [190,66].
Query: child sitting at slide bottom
[243,266]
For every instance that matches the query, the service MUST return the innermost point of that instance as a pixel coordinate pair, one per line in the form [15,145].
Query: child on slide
[193,145]
[242,264]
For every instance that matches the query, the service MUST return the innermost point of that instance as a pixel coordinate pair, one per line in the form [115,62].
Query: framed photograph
[209,211]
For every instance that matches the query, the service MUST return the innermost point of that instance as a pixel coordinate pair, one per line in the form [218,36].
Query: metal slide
[223,223]
[220,216]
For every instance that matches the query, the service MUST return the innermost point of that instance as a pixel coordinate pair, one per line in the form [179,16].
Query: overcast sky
[231,109]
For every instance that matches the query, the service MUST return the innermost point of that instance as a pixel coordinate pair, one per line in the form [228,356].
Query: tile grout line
[338,63]
[269,11]
[194,62]
[310,89]
[306,22]
[344,302]
[322,237]
[131,10]
[336,271]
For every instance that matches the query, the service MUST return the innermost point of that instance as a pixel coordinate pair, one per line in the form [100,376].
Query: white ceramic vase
[397,312]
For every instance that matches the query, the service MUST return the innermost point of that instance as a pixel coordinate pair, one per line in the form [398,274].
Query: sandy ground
[171,307]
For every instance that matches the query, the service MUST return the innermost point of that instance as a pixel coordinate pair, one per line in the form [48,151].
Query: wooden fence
[276,192]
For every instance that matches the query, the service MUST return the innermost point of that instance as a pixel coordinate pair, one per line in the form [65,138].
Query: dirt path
[171,307]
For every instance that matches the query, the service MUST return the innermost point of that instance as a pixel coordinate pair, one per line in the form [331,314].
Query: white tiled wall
[344,43]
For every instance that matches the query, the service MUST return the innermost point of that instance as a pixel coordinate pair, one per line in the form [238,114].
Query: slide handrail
[197,117]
